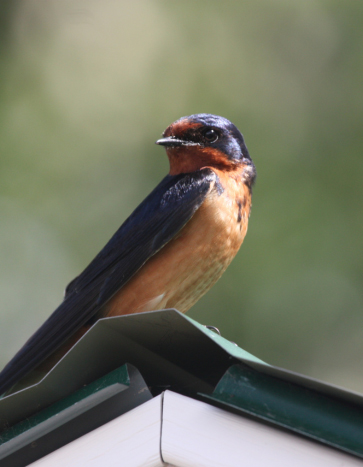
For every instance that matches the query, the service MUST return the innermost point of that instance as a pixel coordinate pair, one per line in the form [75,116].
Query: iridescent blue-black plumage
[230,140]
[153,223]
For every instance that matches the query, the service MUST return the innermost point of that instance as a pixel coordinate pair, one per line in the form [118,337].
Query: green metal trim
[88,408]
[227,345]
[174,352]
[332,421]
[116,381]
[167,348]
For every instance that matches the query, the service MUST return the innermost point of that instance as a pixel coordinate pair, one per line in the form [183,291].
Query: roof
[124,361]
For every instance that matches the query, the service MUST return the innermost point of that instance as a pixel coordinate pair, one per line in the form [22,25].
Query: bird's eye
[210,135]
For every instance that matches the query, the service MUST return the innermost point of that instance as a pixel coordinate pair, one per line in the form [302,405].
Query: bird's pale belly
[187,267]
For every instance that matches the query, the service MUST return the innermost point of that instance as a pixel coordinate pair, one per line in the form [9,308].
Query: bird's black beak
[172,142]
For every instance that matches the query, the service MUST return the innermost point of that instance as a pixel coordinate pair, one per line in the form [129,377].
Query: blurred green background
[88,86]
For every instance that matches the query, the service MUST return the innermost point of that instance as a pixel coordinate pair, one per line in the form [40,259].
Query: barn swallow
[168,253]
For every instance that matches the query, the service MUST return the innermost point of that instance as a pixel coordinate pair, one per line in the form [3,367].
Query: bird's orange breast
[187,267]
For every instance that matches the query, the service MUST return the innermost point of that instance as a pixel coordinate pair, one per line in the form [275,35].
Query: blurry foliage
[87,87]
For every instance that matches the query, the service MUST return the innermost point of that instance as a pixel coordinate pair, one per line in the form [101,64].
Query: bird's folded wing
[151,226]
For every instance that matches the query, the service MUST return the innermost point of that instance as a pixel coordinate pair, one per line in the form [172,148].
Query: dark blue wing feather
[153,224]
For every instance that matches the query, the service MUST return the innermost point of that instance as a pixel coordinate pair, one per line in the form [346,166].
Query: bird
[167,254]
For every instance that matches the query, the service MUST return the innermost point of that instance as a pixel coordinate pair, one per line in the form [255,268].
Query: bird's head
[205,140]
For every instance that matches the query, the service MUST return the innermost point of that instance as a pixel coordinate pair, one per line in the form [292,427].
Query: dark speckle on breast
[239,216]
